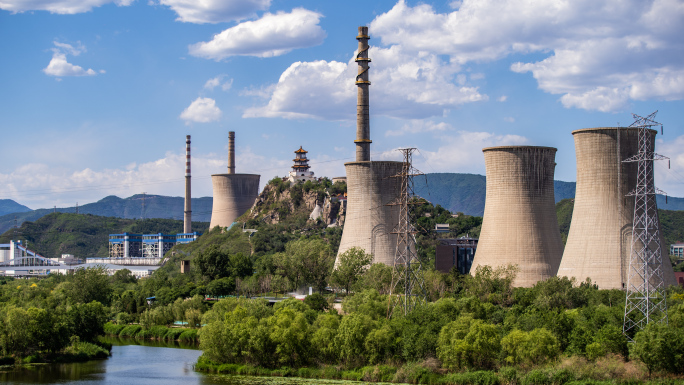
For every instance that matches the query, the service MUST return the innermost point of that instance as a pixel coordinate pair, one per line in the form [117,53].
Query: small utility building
[458,253]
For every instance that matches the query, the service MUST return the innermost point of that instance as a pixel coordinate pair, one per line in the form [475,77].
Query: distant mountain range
[456,192]
[466,193]
[8,206]
[156,206]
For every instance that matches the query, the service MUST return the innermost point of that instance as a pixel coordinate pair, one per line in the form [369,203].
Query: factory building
[600,237]
[519,226]
[677,249]
[125,245]
[458,253]
[300,169]
[233,193]
[156,245]
[369,221]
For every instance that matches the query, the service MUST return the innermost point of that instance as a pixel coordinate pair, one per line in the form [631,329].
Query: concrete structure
[519,225]
[187,237]
[600,237]
[368,220]
[458,253]
[187,213]
[339,179]
[677,249]
[234,194]
[125,245]
[300,169]
[156,245]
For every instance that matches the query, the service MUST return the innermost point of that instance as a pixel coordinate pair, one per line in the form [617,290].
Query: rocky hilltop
[282,200]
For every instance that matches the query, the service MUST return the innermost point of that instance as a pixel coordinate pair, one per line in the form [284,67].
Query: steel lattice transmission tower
[407,289]
[645,301]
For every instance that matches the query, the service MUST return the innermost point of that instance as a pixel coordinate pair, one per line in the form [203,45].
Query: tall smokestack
[231,152]
[363,140]
[187,214]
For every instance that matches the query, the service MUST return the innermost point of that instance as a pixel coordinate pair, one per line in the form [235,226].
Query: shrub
[536,346]
[130,331]
[173,333]
[189,335]
[483,377]
[537,377]
[110,328]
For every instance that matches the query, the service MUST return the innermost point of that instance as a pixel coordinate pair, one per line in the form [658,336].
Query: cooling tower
[234,194]
[519,225]
[369,221]
[370,186]
[599,242]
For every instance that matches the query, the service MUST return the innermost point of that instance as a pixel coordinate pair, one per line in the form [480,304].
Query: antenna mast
[646,297]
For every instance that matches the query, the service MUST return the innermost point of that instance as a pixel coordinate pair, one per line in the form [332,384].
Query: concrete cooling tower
[369,221]
[519,225]
[234,194]
[600,238]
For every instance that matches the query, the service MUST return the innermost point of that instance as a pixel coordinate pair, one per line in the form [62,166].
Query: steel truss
[646,297]
[408,288]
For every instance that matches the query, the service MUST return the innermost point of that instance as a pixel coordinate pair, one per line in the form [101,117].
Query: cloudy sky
[96,96]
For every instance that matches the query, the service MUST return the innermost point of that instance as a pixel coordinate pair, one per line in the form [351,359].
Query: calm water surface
[135,363]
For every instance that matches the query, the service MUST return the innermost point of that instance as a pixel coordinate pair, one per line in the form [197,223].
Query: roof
[301,151]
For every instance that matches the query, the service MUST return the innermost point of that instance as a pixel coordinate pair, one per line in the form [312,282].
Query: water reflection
[137,363]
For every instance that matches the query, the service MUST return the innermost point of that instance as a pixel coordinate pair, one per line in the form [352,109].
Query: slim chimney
[363,140]
[187,214]
[231,152]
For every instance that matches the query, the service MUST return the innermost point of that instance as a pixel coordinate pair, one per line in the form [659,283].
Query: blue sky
[96,96]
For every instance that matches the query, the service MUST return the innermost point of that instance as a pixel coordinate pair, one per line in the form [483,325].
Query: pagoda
[300,168]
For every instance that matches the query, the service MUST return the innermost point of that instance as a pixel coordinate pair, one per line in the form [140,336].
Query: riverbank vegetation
[479,330]
[56,319]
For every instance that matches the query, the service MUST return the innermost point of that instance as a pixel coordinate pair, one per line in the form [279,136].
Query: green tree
[290,334]
[351,265]
[534,347]
[469,343]
[660,348]
[87,285]
[351,338]
[378,277]
[213,262]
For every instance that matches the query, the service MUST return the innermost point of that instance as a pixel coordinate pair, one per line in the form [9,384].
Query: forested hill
[156,206]
[466,192]
[85,235]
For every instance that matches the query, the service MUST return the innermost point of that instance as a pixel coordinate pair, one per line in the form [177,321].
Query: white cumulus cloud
[57,6]
[215,11]
[201,110]
[271,35]
[419,126]
[218,81]
[601,53]
[60,67]
[404,85]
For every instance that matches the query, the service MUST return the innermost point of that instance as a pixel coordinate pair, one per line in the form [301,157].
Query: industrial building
[600,237]
[156,245]
[519,226]
[300,169]
[129,248]
[458,253]
[125,245]
[369,220]
[233,193]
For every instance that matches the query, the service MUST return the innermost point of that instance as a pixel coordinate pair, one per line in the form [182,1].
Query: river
[138,363]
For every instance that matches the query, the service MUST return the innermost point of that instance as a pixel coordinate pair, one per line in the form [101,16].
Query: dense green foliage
[554,331]
[57,316]
[85,235]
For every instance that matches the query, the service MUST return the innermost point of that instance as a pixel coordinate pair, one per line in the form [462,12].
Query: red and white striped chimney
[187,214]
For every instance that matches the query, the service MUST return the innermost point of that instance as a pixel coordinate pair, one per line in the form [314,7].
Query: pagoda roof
[301,151]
